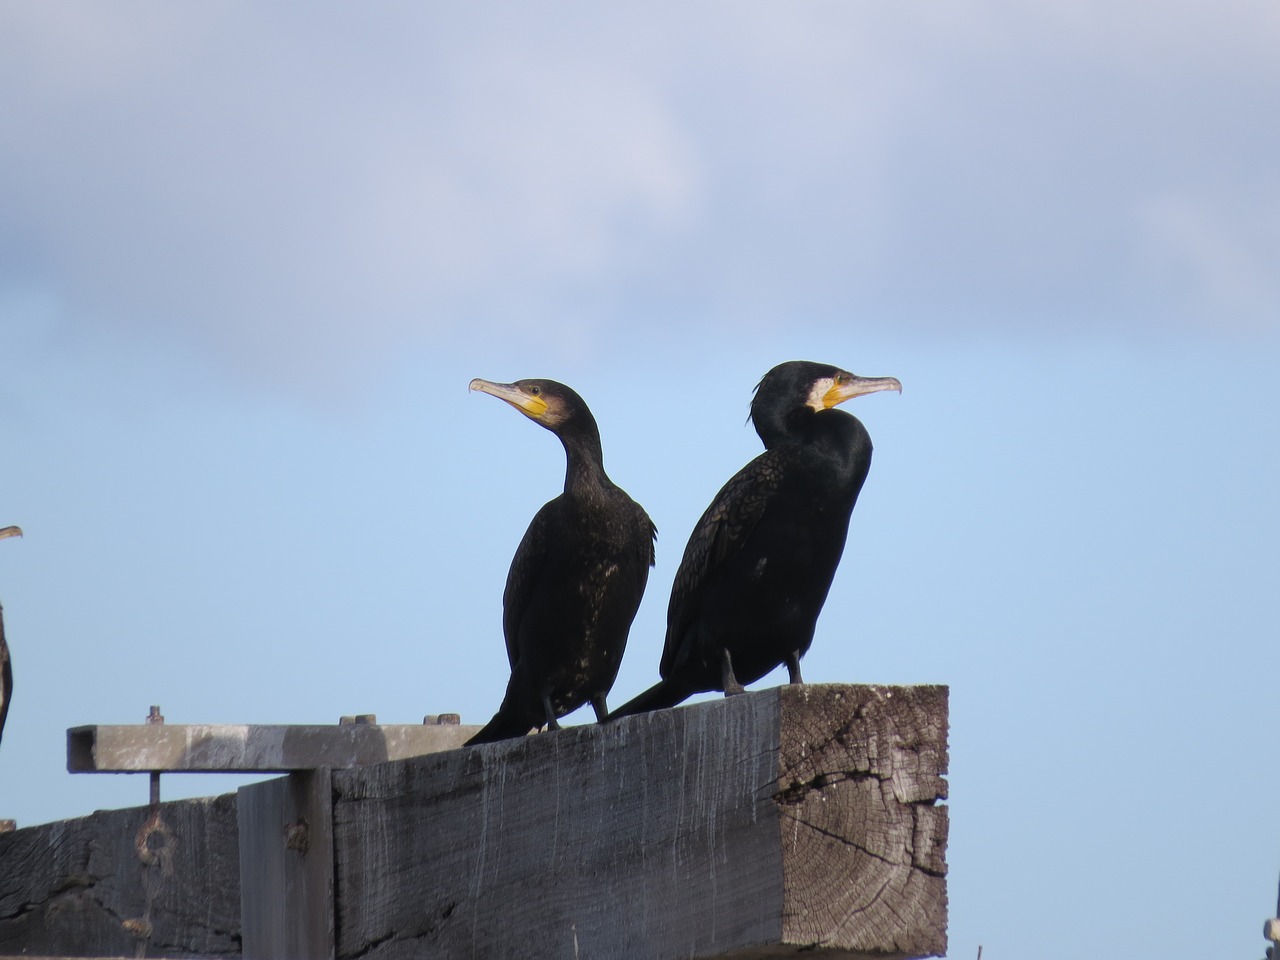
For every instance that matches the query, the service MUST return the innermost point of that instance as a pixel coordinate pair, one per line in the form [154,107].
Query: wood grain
[104,884]
[286,864]
[252,748]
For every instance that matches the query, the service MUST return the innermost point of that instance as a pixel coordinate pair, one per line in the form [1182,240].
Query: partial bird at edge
[6,667]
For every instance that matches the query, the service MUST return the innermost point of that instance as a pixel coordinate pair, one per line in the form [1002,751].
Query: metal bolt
[155,718]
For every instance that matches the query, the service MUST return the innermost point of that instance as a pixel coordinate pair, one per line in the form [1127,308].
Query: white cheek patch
[818,392]
[551,414]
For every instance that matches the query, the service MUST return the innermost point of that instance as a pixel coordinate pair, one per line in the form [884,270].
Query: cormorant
[760,561]
[577,577]
[6,669]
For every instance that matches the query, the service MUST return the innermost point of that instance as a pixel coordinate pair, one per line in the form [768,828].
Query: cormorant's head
[799,385]
[547,402]
[10,532]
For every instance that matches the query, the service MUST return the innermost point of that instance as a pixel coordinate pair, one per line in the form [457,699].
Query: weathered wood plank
[101,885]
[244,748]
[789,820]
[286,857]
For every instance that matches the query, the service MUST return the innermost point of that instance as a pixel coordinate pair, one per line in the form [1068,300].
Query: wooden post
[286,825]
[790,821]
[286,873]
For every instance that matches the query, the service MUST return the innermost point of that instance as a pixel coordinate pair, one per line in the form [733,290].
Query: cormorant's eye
[535,390]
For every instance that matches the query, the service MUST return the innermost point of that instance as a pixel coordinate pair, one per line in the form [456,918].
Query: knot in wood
[154,843]
[139,928]
[297,836]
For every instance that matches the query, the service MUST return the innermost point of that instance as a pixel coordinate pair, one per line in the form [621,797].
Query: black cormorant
[6,670]
[760,561]
[577,577]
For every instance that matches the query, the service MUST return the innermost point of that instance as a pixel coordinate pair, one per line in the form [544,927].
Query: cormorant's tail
[503,726]
[663,694]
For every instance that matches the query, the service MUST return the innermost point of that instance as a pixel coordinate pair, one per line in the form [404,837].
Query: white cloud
[317,184]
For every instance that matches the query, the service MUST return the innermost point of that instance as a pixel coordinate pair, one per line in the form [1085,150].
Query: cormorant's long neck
[584,459]
[772,424]
[777,427]
[845,442]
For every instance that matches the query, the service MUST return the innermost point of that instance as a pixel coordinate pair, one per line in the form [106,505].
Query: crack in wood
[58,893]
[875,898]
[372,946]
[798,790]
[847,842]
[428,931]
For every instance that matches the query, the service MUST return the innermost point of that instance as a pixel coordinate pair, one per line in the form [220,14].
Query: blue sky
[251,257]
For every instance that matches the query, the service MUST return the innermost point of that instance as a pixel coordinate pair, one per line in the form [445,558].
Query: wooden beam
[161,881]
[796,820]
[242,748]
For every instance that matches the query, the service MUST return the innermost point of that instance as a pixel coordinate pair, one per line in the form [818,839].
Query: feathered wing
[721,531]
[522,579]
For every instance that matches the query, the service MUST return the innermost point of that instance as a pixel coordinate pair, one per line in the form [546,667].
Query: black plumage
[6,676]
[577,577]
[760,561]
[6,668]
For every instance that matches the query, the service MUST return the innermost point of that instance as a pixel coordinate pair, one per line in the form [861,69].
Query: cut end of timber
[861,775]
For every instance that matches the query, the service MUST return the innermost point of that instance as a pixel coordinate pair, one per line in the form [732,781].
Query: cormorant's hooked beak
[527,403]
[10,532]
[836,390]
